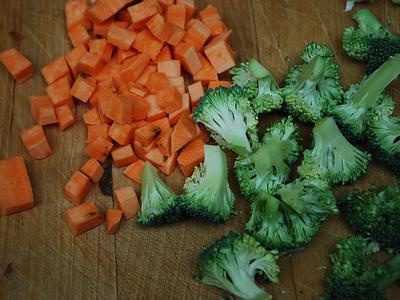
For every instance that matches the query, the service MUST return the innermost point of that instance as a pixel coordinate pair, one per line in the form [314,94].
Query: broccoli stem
[375,84]
[368,22]
[246,286]
[313,70]
[393,269]
[258,70]
[214,163]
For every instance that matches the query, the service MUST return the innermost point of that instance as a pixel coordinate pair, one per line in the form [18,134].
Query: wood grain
[39,258]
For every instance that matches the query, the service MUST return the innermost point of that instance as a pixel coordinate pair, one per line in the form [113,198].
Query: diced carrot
[155,4]
[77,188]
[209,13]
[170,164]
[102,10]
[196,91]
[65,116]
[190,22]
[122,24]
[78,35]
[225,36]
[141,13]
[123,156]
[93,169]
[137,124]
[147,43]
[169,99]
[75,13]
[155,111]
[101,29]
[91,117]
[17,64]
[197,35]
[191,156]
[102,48]
[184,110]
[221,56]
[73,58]
[155,157]
[141,150]
[59,92]
[157,81]
[124,15]
[55,70]
[99,149]
[83,218]
[164,142]
[140,107]
[122,55]
[127,201]
[165,54]
[189,58]
[36,142]
[43,110]
[83,88]
[16,190]
[132,71]
[120,37]
[120,110]
[144,77]
[106,84]
[214,84]
[171,68]
[146,134]
[134,171]
[113,218]
[207,72]
[159,28]
[176,14]
[178,83]
[190,7]
[90,63]
[104,97]
[121,133]
[138,89]
[96,130]
[217,27]
[183,133]
[176,36]
[163,124]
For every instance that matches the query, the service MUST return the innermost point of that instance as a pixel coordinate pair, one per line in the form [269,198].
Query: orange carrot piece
[157,81]
[65,117]
[214,84]
[99,149]
[55,70]
[163,124]
[90,63]
[217,27]
[127,201]
[176,14]
[78,35]
[191,156]
[225,36]
[17,64]
[196,91]
[122,55]
[170,164]
[155,112]
[102,48]
[178,83]
[121,133]
[73,58]
[207,72]
[141,150]
[140,107]
[42,110]
[169,99]
[189,58]
[159,28]
[120,110]
[141,13]
[36,142]
[184,110]
[183,133]
[75,13]
[147,43]
[171,68]
[132,71]
[164,142]
[197,35]
[101,29]
[112,220]
[93,169]
[83,218]
[134,171]
[144,77]
[96,130]
[156,158]
[123,156]
[221,55]
[165,3]
[176,36]
[137,124]
[165,54]
[83,88]
[138,90]
[59,92]
[120,37]
[211,18]
[16,190]
[146,134]
[123,15]
[102,10]
[77,188]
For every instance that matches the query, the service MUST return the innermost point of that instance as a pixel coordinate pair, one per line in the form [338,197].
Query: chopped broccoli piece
[232,262]
[159,205]
[312,88]
[375,214]
[332,157]
[227,113]
[354,276]
[269,165]
[292,215]
[362,100]
[207,191]
[259,84]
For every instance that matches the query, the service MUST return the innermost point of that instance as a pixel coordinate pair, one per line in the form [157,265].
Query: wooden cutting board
[40,259]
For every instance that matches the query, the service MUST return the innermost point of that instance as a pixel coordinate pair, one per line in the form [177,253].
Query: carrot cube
[169,99]
[121,133]
[113,218]
[197,35]
[90,63]
[171,68]
[102,10]
[77,188]
[36,142]
[138,90]
[189,58]
[191,156]
[225,36]
[83,88]
[123,156]
[163,124]
[176,36]
[16,190]
[17,64]
[183,133]
[220,55]
[155,157]
[99,149]
[120,110]
[83,218]
[217,27]
[93,169]
[176,14]
[170,164]
[122,55]
[42,110]
[165,3]
[190,7]
[157,81]
[101,29]
[59,92]
[146,134]
[132,71]
[145,76]
[134,171]
[94,131]
[164,142]
[214,84]
[196,91]
[147,43]
[185,109]
[102,48]
[207,72]
[120,37]
[78,35]
[73,58]
[140,107]
[165,54]
[159,28]
[127,201]
[178,83]
[155,112]
[141,13]
[55,70]
[142,150]
[65,116]
[75,13]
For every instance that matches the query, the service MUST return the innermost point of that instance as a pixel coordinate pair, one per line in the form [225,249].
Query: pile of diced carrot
[126,65]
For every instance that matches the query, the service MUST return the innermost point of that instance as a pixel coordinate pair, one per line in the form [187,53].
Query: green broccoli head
[380,49]
[292,215]
[375,214]
[232,262]
[228,115]
[259,85]
[312,88]
[366,99]
[332,157]
[207,191]
[354,276]
[269,165]
[159,205]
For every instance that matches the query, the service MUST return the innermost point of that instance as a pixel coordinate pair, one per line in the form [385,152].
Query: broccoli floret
[384,136]
[159,205]
[269,165]
[354,276]
[259,84]
[292,215]
[363,100]
[228,114]
[207,191]
[232,262]
[375,214]
[312,88]
[332,157]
